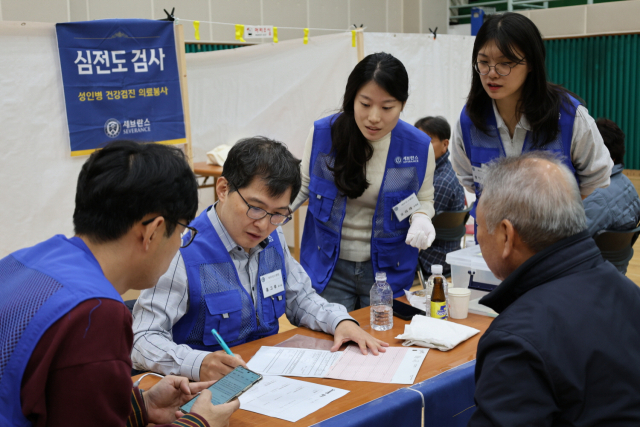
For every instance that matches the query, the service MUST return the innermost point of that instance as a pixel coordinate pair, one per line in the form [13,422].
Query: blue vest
[404,173]
[39,285]
[482,148]
[217,299]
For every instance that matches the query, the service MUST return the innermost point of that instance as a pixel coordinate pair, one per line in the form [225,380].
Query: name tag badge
[406,207]
[478,174]
[272,283]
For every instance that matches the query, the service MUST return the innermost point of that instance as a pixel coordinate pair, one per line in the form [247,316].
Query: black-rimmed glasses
[255,212]
[186,237]
[502,68]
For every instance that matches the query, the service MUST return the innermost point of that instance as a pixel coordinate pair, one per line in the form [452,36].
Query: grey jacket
[616,207]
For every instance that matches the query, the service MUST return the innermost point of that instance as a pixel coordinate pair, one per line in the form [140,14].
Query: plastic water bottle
[436,269]
[381,300]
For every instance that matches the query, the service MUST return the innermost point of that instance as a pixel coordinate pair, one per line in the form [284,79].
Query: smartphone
[405,311]
[228,387]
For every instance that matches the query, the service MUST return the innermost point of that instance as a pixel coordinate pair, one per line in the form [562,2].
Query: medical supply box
[469,269]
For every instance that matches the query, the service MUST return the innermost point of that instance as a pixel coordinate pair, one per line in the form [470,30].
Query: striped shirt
[448,196]
[138,417]
[158,309]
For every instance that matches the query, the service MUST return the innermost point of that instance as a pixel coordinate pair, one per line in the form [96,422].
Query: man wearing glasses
[65,335]
[237,275]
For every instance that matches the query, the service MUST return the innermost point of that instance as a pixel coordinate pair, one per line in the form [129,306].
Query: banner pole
[360,43]
[182,70]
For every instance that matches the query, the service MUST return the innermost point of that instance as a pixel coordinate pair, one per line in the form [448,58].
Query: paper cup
[459,302]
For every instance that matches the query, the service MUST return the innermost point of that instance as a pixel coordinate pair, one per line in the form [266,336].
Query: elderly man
[565,349]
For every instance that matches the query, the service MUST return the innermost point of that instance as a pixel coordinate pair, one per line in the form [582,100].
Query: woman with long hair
[512,108]
[357,168]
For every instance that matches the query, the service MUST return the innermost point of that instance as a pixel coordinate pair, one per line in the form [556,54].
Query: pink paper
[303,341]
[354,366]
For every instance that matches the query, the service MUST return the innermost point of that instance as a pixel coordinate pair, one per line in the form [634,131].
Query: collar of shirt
[229,244]
[617,169]
[523,123]
[442,159]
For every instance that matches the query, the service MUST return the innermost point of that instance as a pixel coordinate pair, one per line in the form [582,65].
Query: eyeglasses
[186,236]
[502,68]
[255,212]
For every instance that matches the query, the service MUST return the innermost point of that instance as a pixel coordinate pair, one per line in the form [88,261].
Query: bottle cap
[436,269]
[381,276]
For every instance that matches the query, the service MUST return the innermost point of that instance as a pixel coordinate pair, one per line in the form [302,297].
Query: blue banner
[120,81]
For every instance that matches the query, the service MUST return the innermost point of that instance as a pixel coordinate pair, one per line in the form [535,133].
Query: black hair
[435,126]
[541,100]
[264,158]
[121,183]
[613,138]
[350,149]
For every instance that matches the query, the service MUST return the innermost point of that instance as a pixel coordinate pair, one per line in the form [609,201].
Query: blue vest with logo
[482,148]
[404,173]
[39,285]
[217,299]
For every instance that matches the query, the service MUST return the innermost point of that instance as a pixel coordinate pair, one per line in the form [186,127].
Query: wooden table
[202,169]
[435,363]
[206,171]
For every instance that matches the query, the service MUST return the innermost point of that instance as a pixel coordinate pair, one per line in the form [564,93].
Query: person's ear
[509,238]
[152,231]
[445,144]
[222,188]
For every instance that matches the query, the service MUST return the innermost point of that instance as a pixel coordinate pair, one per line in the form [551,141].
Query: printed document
[288,399]
[294,362]
[398,365]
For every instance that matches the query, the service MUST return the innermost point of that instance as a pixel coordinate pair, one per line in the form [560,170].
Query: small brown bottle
[438,300]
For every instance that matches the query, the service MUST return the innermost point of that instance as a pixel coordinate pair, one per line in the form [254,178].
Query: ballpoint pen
[223,344]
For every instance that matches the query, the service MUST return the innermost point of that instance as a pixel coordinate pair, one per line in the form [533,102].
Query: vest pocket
[482,155]
[224,314]
[395,254]
[273,307]
[280,303]
[391,223]
[322,194]
[327,243]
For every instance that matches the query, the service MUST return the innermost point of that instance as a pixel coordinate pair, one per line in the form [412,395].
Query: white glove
[421,233]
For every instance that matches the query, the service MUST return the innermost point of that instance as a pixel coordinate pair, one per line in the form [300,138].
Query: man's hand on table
[218,364]
[164,399]
[348,330]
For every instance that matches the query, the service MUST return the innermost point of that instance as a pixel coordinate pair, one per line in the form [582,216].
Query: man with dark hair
[616,207]
[564,350]
[238,276]
[65,334]
[448,193]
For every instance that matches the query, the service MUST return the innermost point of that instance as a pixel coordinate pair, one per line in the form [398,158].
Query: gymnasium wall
[396,16]
[273,90]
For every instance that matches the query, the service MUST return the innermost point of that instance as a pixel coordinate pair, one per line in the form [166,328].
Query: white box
[467,262]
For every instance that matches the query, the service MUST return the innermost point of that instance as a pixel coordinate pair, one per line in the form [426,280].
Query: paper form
[295,362]
[288,399]
[398,365]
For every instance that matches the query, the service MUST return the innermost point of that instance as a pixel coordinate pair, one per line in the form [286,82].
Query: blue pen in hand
[223,344]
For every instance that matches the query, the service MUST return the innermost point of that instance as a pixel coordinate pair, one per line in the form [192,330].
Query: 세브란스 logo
[112,128]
